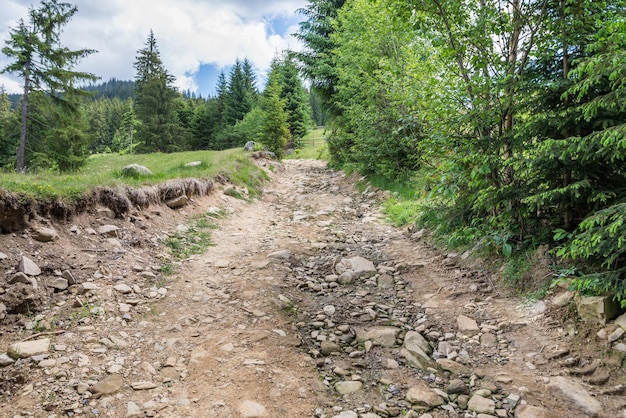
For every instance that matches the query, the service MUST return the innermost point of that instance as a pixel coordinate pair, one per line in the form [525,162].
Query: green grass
[313,147]
[195,240]
[106,170]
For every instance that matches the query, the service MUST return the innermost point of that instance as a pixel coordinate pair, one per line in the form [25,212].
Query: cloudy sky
[196,38]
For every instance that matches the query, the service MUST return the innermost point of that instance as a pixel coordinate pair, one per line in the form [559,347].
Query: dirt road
[307,305]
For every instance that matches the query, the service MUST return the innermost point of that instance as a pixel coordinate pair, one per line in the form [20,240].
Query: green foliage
[156,107]
[294,95]
[274,133]
[45,65]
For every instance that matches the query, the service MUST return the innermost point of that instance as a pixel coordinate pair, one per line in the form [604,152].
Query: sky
[197,39]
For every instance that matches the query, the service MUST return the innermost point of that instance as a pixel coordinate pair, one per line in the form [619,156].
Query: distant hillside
[108,90]
[113,88]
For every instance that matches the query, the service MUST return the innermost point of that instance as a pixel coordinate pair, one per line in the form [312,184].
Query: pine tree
[160,128]
[295,97]
[43,63]
[274,132]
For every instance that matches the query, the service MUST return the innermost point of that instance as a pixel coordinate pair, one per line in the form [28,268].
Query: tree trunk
[21,149]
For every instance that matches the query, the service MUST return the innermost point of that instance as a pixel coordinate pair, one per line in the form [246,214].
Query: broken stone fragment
[28,267]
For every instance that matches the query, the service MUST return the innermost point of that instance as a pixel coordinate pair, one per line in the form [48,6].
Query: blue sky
[197,39]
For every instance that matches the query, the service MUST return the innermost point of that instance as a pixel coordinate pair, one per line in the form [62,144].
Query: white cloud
[188,33]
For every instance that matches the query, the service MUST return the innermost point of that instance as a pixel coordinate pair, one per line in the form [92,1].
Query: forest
[500,123]
[63,117]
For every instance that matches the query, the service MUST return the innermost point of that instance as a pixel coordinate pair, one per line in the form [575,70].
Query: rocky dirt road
[307,305]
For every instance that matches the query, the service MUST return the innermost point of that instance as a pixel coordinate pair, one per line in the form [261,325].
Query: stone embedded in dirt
[423,397]
[87,287]
[577,394]
[415,339]
[563,299]
[45,235]
[456,387]
[251,409]
[481,405]
[467,326]
[177,202]
[23,278]
[488,340]
[67,275]
[616,335]
[109,230]
[597,309]
[328,347]
[384,336]
[25,349]
[6,360]
[3,256]
[3,310]
[385,281]
[452,366]
[123,288]
[281,255]
[106,213]
[358,266]
[109,385]
[417,362]
[28,267]
[59,284]
[348,386]
[143,385]
[529,411]
[133,410]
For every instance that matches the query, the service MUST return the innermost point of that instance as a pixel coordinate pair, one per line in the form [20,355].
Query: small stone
[421,395]
[456,387]
[488,340]
[281,255]
[251,409]
[467,326]
[123,288]
[108,231]
[349,386]
[45,234]
[452,366]
[616,335]
[481,405]
[358,266]
[27,349]
[143,385]
[5,360]
[59,284]
[177,202]
[577,394]
[23,278]
[109,385]
[384,336]
[328,347]
[133,410]
[529,411]
[28,267]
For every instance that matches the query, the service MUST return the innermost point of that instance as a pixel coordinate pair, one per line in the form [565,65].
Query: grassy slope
[105,170]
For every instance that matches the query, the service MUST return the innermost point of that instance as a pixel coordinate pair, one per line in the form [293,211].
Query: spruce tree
[44,64]
[160,129]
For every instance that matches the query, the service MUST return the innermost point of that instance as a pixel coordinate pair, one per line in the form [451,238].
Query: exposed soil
[263,324]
